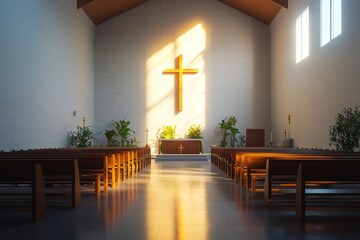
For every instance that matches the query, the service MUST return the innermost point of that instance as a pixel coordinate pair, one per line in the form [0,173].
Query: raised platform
[182,157]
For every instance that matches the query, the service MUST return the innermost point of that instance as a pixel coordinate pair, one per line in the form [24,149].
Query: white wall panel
[46,72]
[319,87]
[230,49]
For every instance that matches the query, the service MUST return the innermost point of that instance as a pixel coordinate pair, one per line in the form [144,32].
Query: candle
[147,136]
[271,137]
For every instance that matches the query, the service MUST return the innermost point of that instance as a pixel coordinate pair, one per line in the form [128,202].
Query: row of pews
[306,172]
[46,169]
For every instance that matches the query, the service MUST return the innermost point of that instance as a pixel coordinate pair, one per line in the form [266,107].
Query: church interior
[285,67]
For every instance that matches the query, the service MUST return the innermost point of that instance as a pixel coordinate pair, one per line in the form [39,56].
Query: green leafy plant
[195,131]
[83,137]
[110,137]
[134,142]
[224,126]
[168,132]
[231,135]
[241,141]
[124,132]
[345,133]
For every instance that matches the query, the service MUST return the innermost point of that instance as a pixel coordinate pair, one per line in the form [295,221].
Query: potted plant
[224,126]
[124,132]
[345,133]
[195,132]
[110,137]
[83,137]
[168,132]
[231,135]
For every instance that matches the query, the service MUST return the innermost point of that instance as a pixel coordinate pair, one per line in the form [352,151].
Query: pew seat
[55,171]
[338,172]
[30,173]
[284,170]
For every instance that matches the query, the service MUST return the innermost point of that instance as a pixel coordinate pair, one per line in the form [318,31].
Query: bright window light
[305,34]
[302,36]
[330,20]
[336,18]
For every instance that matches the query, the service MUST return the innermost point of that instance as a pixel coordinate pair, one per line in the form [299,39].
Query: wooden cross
[179,71]
[181,148]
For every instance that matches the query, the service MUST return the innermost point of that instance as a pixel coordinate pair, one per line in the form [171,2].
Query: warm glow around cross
[160,108]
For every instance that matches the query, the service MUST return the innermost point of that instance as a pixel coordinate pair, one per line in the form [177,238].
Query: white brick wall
[46,72]
[319,87]
[232,56]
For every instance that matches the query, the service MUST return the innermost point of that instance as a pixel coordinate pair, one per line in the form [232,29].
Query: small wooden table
[181,146]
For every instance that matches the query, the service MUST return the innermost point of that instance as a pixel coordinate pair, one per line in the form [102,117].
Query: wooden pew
[285,170]
[91,166]
[233,160]
[15,172]
[102,162]
[341,171]
[63,171]
[131,159]
[246,157]
[141,152]
[255,164]
[55,170]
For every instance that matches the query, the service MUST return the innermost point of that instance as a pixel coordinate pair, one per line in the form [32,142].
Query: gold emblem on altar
[181,148]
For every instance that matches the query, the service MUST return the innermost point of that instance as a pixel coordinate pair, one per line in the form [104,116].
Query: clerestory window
[330,20]
[302,36]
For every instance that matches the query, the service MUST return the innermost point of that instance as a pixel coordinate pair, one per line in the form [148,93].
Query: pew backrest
[341,171]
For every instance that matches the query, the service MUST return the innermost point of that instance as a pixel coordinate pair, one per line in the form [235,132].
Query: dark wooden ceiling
[262,10]
[100,11]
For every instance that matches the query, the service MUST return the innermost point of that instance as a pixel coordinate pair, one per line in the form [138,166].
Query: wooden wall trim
[282,3]
[83,3]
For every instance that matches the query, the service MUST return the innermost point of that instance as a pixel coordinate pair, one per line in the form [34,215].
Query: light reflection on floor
[179,200]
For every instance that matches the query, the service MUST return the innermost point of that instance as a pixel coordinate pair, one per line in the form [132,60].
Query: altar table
[181,146]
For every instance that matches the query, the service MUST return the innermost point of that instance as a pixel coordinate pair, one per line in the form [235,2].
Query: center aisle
[190,200]
[185,200]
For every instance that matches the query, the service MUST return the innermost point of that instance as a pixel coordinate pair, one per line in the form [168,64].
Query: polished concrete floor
[180,200]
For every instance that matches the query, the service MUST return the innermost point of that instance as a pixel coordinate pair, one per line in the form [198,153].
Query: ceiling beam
[100,11]
[83,3]
[282,3]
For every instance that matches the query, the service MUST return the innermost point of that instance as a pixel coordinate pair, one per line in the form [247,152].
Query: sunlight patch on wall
[157,90]
[160,88]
